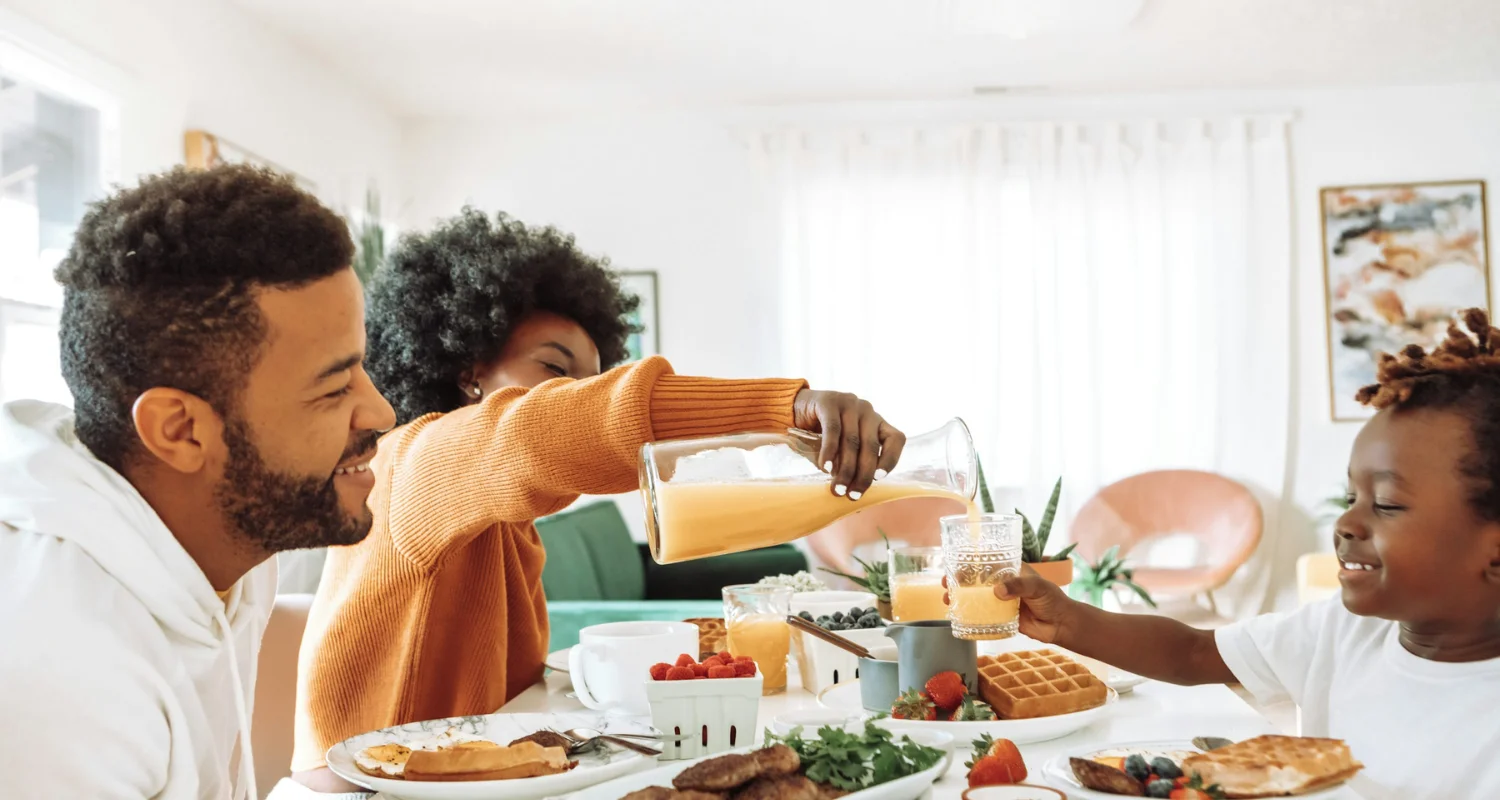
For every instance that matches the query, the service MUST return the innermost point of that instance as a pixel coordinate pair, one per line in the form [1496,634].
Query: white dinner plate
[1059,774]
[845,697]
[596,767]
[908,788]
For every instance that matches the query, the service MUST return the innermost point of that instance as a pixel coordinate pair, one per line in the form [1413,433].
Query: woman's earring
[474,390]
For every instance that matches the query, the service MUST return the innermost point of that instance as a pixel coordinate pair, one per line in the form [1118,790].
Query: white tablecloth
[1152,712]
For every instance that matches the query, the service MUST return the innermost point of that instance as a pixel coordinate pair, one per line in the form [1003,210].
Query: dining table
[1150,712]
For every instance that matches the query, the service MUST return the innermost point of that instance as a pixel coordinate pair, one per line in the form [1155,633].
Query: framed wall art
[1399,261]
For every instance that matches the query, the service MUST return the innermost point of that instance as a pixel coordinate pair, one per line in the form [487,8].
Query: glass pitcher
[725,494]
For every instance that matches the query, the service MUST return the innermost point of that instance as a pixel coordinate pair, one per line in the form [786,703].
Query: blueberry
[1136,767]
[869,622]
[1159,788]
[824,622]
[1166,768]
[856,612]
[805,615]
[838,616]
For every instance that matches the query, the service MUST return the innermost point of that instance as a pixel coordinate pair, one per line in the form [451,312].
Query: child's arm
[1147,645]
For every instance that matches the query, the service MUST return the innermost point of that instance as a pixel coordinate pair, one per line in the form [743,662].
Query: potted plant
[876,580]
[368,233]
[1095,579]
[1057,568]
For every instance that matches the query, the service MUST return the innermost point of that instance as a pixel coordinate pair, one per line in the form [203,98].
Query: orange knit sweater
[439,612]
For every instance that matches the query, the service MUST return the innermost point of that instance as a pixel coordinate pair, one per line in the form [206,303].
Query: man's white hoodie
[122,673]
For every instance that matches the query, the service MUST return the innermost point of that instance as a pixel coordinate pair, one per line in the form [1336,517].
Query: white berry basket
[717,714]
[822,665]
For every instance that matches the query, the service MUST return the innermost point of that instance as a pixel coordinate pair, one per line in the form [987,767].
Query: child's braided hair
[1461,375]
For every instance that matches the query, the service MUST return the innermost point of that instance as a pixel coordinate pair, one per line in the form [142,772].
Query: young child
[1405,667]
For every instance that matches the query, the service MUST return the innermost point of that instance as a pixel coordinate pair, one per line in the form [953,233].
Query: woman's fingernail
[854,495]
[880,474]
[840,490]
[828,466]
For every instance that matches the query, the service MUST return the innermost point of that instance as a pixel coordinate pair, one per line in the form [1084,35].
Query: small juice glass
[917,584]
[979,553]
[755,619]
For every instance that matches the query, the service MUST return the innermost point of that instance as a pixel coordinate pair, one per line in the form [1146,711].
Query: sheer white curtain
[1094,299]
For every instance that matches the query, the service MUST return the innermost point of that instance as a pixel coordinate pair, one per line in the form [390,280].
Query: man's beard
[278,511]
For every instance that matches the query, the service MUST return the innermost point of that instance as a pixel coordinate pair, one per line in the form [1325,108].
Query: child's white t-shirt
[1421,728]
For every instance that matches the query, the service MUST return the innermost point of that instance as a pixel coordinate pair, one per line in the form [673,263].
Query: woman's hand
[859,446]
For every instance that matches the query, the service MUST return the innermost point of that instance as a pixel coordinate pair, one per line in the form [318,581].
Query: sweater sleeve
[522,454]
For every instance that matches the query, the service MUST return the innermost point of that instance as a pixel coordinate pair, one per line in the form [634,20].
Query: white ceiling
[486,58]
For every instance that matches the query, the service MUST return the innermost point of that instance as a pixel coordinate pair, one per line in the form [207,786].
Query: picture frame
[647,316]
[1400,261]
[203,150]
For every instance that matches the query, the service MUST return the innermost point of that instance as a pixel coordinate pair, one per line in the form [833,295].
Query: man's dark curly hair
[159,290]
[1460,375]
[447,300]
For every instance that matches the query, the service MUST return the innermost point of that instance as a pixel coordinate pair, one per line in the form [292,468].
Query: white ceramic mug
[611,663]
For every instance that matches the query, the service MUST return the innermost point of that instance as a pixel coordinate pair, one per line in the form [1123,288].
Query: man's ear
[177,427]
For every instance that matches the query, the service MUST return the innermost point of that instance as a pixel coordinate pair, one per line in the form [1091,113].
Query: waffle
[1038,683]
[712,635]
[1275,766]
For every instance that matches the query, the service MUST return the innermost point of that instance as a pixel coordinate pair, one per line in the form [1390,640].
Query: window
[54,152]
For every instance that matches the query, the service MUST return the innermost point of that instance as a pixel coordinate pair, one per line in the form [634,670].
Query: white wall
[177,65]
[678,193]
[670,193]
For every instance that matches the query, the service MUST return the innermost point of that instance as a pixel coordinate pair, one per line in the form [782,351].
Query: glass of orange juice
[917,584]
[979,552]
[755,617]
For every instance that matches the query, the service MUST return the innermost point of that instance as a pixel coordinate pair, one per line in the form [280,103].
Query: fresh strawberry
[686,660]
[680,674]
[1195,790]
[947,690]
[699,670]
[995,761]
[713,661]
[914,705]
[997,771]
[659,671]
[721,671]
[744,669]
[973,711]
[744,660]
[726,657]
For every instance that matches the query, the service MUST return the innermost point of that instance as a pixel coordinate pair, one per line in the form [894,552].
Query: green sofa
[597,573]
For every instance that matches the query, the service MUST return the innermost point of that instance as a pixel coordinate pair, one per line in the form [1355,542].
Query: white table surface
[1152,712]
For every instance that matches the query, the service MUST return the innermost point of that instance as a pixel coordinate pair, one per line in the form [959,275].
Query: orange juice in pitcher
[707,497]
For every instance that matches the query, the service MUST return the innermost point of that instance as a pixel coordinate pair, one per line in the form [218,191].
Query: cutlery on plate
[585,742]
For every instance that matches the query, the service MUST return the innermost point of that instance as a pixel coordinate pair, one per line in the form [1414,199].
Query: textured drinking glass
[917,584]
[755,619]
[979,553]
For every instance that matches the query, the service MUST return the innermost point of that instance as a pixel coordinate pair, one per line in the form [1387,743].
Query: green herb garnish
[852,762]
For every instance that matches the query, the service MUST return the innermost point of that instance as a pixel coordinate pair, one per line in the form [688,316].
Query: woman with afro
[494,341]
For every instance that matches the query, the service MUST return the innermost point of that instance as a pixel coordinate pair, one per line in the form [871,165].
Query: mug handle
[580,684]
